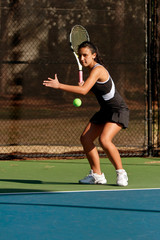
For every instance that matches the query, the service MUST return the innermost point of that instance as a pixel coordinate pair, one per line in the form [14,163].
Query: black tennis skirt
[103,116]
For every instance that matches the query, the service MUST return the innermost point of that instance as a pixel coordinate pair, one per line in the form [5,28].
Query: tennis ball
[77,102]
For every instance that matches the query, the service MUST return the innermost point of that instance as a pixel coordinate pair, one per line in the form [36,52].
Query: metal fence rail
[40,122]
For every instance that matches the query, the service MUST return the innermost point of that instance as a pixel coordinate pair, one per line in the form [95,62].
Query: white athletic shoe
[122,178]
[94,178]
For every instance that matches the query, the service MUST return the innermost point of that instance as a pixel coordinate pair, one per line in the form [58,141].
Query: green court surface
[63,175]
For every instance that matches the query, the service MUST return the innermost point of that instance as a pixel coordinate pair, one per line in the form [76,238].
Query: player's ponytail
[93,49]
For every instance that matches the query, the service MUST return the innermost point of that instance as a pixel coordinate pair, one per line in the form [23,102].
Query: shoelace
[122,176]
[89,176]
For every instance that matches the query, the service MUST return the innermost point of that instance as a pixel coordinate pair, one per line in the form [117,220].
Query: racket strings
[78,35]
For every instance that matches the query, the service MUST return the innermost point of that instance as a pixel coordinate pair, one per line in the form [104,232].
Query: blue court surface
[112,214]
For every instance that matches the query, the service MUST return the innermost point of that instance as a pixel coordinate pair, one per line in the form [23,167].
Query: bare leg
[108,133]
[90,133]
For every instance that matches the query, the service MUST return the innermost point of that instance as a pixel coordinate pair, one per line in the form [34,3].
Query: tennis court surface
[43,200]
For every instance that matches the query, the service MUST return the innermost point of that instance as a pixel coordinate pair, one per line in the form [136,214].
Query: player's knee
[85,140]
[82,139]
[104,142]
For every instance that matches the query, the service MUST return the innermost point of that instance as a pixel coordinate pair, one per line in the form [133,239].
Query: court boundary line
[80,191]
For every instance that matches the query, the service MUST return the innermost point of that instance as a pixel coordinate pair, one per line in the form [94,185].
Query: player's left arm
[84,89]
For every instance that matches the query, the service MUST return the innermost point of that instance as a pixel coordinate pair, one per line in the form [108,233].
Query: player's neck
[91,66]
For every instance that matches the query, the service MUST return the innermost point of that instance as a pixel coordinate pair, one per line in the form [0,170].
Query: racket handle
[80,75]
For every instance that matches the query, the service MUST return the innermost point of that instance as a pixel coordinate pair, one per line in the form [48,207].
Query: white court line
[81,191]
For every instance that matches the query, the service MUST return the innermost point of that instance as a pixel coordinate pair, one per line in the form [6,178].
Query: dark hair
[93,49]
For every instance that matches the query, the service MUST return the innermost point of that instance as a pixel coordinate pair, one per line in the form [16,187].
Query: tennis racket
[78,35]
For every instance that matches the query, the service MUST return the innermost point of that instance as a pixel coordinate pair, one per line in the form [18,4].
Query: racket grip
[80,75]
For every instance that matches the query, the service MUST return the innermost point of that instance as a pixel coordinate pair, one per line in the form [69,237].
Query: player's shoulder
[98,67]
[101,69]
[101,73]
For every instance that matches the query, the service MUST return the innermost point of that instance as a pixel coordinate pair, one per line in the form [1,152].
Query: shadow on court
[42,182]
[79,206]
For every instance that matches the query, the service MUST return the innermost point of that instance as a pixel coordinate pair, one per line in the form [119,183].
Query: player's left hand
[53,83]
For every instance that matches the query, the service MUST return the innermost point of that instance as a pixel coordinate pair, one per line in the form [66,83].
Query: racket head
[78,35]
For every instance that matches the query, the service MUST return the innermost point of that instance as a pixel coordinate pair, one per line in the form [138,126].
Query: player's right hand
[81,83]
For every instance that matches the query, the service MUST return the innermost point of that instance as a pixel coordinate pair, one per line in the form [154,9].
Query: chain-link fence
[34,44]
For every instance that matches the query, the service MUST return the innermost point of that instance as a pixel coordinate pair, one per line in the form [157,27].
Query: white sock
[120,171]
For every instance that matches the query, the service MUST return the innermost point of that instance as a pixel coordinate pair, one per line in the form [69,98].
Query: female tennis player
[105,124]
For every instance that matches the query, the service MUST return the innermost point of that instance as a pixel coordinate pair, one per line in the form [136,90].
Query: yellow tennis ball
[77,102]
